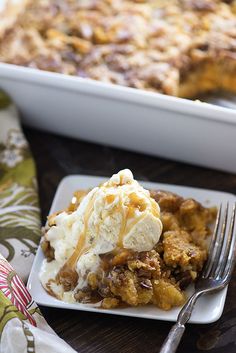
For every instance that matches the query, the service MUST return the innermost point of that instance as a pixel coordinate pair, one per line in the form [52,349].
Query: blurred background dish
[199,58]
[178,47]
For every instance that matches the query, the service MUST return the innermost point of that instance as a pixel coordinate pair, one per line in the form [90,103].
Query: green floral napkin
[19,210]
[22,326]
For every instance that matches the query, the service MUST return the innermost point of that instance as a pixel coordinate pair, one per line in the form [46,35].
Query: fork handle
[172,341]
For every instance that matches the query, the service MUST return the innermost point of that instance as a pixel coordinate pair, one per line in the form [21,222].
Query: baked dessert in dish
[120,244]
[178,47]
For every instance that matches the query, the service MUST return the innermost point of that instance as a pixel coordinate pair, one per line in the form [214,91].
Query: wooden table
[57,157]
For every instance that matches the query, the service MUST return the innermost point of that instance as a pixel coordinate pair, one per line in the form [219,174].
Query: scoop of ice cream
[118,214]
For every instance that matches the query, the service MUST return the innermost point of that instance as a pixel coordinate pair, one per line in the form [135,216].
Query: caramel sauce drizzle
[49,289]
[135,202]
[80,246]
[110,198]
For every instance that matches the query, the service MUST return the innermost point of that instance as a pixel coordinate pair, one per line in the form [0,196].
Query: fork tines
[222,250]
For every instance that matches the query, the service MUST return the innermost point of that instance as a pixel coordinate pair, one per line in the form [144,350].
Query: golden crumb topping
[148,44]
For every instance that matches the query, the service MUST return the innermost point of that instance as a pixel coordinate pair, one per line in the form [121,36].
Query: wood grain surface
[57,157]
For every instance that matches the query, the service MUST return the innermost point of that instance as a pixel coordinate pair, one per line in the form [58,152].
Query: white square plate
[208,308]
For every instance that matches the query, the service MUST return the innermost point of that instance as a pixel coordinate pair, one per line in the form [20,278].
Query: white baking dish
[153,123]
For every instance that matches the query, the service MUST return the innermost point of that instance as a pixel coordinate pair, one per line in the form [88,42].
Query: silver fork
[215,275]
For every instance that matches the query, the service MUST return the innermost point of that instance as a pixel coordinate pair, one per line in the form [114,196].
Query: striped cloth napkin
[20,317]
